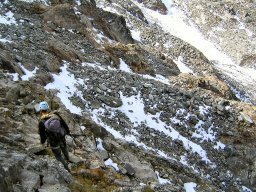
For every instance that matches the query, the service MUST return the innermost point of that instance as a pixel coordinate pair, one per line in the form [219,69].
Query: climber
[53,129]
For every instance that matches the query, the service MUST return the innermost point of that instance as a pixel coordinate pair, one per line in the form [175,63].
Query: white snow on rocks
[124,67]
[135,35]
[46,2]
[162,180]
[133,107]
[65,83]
[8,18]
[182,66]
[28,74]
[4,40]
[190,187]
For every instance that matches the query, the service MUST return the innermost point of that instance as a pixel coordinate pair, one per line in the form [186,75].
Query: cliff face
[138,122]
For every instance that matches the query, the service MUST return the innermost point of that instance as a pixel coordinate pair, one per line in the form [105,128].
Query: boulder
[62,15]
[116,27]
[111,24]
[7,63]
[249,61]
[30,180]
[156,5]
[132,164]
[133,55]
[211,83]
[10,169]
[111,101]
[54,188]
[37,8]
[63,51]
[129,169]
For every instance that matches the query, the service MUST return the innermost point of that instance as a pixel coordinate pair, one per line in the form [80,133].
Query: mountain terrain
[159,95]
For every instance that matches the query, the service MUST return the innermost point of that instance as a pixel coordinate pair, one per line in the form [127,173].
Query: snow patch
[168,4]
[78,2]
[4,2]
[245,189]
[162,180]
[219,146]
[66,83]
[99,144]
[5,41]
[138,117]
[183,160]
[96,116]
[110,163]
[28,74]
[124,67]
[135,35]
[190,187]
[15,77]
[204,135]
[182,66]
[82,128]
[94,65]
[204,110]
[101,38]
[8,18]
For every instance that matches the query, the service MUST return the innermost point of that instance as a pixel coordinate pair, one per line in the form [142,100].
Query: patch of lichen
[148,189]
[86,185]
[46,151]
[86,180]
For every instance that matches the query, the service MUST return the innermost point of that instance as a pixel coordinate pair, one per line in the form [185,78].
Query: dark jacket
[44,134]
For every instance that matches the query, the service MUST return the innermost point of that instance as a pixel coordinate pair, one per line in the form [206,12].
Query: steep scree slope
[139,124]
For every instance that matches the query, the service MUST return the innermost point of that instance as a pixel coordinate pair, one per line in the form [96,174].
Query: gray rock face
[136,168]
[155,5]
[31,180]
[129,169]
[6,181]
[117,26]
[11,165]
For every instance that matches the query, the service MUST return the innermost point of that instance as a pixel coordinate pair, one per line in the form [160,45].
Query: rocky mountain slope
[231,26]
[138,123]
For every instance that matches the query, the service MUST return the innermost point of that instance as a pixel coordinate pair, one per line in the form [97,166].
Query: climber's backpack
[54,124]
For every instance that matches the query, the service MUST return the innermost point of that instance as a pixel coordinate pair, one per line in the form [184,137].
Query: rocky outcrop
[133,56]
[62,15]
[211,83]
[140,61]
[112,25]
[116,27]
[156,5]
[62,51]
[8,63]
[249,61]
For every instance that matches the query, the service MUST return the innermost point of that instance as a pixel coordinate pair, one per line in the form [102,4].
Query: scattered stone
[191,110]
[246,118]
